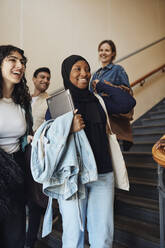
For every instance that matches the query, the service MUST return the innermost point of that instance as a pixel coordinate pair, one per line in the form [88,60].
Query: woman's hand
[161,144]
[110,84]
[78,122]
[122,87]
[94,82]
[29,138]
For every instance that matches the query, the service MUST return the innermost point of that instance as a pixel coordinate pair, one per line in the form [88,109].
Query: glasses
[14,60]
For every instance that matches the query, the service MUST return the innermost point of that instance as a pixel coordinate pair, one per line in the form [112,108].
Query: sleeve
[123,77]
[118,101]
[90,83]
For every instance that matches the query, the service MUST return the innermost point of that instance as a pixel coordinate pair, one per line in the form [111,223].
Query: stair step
[145,129]
[137,208]
[141,165]
[160,113]
[143,173]
[151,121]
[147,137]
[143,181]
[142,146]
[136,234]
[137,201]
[157,115]
[161,107]
[142,188]
[142,159]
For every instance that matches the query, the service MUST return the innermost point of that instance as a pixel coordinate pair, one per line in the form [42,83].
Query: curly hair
[20,94]
[112,46]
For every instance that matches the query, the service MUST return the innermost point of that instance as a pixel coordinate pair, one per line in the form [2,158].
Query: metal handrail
[141,80]
[139,50]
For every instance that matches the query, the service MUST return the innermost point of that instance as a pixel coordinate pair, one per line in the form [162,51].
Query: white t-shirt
[34,98]
[12,125]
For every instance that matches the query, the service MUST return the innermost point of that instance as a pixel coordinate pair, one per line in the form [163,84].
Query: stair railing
[142,80]
[161,188]
[140,50]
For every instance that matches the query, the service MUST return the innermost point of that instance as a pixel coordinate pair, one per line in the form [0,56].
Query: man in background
[37,201]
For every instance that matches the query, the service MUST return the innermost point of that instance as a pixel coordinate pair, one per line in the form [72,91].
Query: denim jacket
[62,162]
[112,73]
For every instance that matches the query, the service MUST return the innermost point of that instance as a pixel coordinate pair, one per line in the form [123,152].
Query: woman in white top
[15,124]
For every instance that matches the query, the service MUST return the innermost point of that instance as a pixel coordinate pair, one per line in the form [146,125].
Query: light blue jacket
[62,162]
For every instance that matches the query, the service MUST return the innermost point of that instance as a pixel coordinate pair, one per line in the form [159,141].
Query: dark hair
[20,94]
[111,44]
[41,69]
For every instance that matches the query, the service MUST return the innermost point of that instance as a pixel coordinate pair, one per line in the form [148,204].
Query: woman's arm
[118,101]
[122,77]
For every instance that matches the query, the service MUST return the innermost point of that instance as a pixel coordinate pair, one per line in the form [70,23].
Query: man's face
[42,81]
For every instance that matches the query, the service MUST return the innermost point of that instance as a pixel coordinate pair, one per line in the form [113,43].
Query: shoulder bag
[118,163]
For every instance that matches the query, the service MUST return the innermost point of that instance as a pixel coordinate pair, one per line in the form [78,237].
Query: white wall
[50,30]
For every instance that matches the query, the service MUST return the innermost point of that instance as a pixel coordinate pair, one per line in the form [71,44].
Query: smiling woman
[15,124]
[80,74]
[13,68]
[89,184]
[114,75]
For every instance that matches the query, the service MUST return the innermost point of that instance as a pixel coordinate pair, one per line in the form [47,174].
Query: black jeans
[35,213]
[13,226]
[12,230]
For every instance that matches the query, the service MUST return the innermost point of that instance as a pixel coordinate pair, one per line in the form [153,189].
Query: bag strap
[105,110]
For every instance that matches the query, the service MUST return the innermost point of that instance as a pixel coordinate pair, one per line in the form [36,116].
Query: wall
[50,30]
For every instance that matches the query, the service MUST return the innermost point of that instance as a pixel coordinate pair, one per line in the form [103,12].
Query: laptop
[60,103]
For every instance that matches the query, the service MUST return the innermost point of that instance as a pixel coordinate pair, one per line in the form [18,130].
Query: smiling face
[105,54]
[41,81]
[80,74]
[12,68]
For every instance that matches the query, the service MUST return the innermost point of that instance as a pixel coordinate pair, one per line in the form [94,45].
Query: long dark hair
[20,94]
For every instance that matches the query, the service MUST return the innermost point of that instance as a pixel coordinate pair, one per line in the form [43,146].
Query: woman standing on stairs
[94,196]
[15,123]
[114,75]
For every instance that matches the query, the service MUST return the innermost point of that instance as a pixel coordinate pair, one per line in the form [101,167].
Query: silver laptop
[60,103]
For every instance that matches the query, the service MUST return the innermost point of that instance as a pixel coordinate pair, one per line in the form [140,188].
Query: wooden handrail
[142,79]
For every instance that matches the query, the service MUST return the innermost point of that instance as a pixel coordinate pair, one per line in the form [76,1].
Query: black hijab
[83,99]
[93,115]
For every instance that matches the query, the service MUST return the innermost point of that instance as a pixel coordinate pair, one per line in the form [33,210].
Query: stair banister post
[161,188]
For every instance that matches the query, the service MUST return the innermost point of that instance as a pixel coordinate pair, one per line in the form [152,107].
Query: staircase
[137,211]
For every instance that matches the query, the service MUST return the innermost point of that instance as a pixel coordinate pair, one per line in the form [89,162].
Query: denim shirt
[112,73]
[62,162]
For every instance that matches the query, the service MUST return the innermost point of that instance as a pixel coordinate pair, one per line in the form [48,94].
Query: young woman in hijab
[97,206]
[15,124]
[114,75]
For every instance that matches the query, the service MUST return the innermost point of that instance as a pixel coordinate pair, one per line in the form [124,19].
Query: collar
[109,66]
[43,95]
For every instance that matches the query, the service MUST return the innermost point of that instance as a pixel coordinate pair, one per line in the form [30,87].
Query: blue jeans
[98,208]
